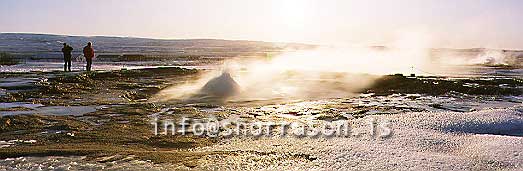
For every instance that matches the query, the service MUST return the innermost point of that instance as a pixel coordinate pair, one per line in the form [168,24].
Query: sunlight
[294,13]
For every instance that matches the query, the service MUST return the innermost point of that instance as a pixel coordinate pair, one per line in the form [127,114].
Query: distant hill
[49,46]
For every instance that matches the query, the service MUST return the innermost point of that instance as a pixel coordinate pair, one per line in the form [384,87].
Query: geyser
[222,86]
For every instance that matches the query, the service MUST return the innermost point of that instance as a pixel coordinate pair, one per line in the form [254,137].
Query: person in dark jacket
[67,56]
[89,55]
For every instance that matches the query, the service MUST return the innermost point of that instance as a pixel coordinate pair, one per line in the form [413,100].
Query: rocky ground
[102,119]
[118,125]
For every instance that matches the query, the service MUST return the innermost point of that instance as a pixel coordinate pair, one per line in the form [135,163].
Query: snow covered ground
[484,140]
[481,140]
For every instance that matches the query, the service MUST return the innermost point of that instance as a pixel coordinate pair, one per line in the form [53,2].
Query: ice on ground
[79,163]
[19,104]
[97,65]
[15,84]
[46,110]
[482,140]
[5,144]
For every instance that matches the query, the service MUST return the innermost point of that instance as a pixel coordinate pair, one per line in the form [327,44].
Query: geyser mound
[222,86]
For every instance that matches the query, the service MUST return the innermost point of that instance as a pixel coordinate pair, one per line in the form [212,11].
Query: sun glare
[294,13]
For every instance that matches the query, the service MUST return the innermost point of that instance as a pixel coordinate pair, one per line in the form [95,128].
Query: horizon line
[276,42]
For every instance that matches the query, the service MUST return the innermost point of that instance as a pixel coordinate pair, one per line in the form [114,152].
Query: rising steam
[488,57]
[319,73]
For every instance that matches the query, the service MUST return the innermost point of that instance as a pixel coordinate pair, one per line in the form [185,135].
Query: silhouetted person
[89,55]
[67,56]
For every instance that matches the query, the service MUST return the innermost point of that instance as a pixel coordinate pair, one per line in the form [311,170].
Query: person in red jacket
[89,55]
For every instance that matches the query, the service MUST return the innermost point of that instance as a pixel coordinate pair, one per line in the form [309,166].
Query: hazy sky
[435,23]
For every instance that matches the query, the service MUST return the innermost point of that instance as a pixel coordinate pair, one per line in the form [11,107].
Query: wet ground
[102,120]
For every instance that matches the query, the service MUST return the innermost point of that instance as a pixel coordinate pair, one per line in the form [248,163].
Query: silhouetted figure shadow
[67,56]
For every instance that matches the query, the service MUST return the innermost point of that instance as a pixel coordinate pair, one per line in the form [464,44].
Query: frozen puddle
[19,104]
[481,140]
[5,144]
[17,84]
[44,110]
